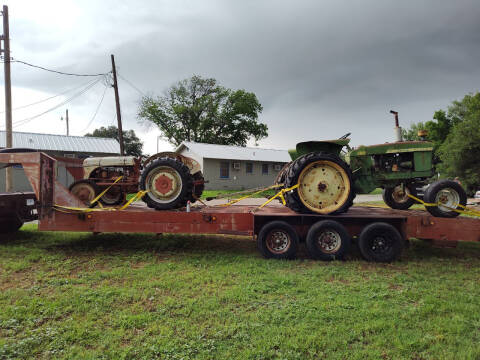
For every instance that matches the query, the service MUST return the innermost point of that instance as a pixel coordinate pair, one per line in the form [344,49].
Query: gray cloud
[320,68]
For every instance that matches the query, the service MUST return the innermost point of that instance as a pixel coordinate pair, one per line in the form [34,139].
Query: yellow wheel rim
[323,186]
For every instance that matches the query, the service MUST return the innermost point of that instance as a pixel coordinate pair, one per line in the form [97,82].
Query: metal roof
[82,144]
[213,151]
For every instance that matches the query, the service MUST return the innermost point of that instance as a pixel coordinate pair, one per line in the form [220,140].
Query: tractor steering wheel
[346,135]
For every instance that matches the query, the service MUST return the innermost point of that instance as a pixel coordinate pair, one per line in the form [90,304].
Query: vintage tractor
[171,180]
[327,184]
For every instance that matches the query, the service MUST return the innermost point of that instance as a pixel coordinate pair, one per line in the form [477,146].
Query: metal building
[63,148]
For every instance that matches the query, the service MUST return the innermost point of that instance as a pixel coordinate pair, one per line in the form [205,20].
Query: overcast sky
[319,68]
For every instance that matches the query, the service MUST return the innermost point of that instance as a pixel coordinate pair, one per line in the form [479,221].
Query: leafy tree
[200,110]
[133,145]
[437,129]
[459,152]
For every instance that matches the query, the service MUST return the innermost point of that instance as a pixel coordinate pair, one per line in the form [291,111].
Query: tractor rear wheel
[324,181]
[168,182]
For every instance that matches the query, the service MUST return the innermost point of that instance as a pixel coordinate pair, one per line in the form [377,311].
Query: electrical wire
[27,120]
[133,86]
[49,98]
[96,111]
[55,71]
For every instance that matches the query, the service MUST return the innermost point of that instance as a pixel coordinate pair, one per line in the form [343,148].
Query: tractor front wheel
[397,197]
[449,195]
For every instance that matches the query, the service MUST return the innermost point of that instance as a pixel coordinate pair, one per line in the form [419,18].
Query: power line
[49,98]
[53,71]
[26,120]
[133,86]
[96,111]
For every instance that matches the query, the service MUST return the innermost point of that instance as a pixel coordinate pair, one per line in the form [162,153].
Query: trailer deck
[54,201]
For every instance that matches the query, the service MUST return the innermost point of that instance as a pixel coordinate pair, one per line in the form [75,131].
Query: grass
[113,296]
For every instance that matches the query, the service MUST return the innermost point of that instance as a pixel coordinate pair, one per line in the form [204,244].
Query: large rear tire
[197,188]
[169,184]
[325,184]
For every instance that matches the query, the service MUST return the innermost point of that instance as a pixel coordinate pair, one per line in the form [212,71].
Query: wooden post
[117,104]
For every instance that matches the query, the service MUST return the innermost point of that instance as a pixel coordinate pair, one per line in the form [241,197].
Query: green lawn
[110,296]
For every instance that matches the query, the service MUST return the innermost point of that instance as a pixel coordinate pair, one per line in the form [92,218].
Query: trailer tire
[327,240]
[278,240]
[453,195]
[10,225]
[171,176]
[380,242]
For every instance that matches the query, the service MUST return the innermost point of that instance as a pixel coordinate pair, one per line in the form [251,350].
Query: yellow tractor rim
[324,186]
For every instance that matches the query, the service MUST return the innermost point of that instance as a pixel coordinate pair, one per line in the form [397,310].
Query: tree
[437,129]
[200,110]
[459,152]
[133,145]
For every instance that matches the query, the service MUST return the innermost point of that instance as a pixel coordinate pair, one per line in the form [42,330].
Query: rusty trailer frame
[234,220]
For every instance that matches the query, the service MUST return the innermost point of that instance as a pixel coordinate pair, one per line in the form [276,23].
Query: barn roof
[213,151]
[52,142]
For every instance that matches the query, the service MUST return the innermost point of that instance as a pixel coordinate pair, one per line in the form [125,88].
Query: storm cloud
[319,68]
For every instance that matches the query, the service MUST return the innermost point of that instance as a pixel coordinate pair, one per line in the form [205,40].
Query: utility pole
[117,104]
[8,95]
[66,119]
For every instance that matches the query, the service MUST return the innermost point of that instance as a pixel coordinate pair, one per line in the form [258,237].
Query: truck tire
[327,240]
[169,184]
[325,184]
[380,242]
[10,225]
[277,240]
[397,198]
[447,192]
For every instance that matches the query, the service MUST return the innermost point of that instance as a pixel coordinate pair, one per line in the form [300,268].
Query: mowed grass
[111,296]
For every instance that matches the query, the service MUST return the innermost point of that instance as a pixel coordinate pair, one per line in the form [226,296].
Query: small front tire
[448,193]
[397,197]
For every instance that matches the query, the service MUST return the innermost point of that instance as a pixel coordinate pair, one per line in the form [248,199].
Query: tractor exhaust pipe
[398,129]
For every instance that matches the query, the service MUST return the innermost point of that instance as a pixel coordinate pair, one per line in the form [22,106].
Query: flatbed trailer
[381,233]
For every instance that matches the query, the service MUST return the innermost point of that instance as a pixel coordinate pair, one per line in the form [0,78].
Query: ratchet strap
[70,209]
[255,193]
[104,191]
[465,211]
[280,195]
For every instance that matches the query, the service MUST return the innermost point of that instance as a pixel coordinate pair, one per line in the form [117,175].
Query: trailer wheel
[10,225]
[380,242]
[169,184]
[327,240]
[448,193]
[397,197]
[278,240]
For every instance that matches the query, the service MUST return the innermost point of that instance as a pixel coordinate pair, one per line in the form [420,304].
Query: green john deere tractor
[328,183]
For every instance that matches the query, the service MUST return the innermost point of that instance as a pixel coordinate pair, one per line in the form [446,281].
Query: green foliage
[137,296]
[200,110]
[133,145]
[459,152]
[438,129]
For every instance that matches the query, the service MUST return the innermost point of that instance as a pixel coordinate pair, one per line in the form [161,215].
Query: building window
[224,170]
[265,169]
[249,168]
